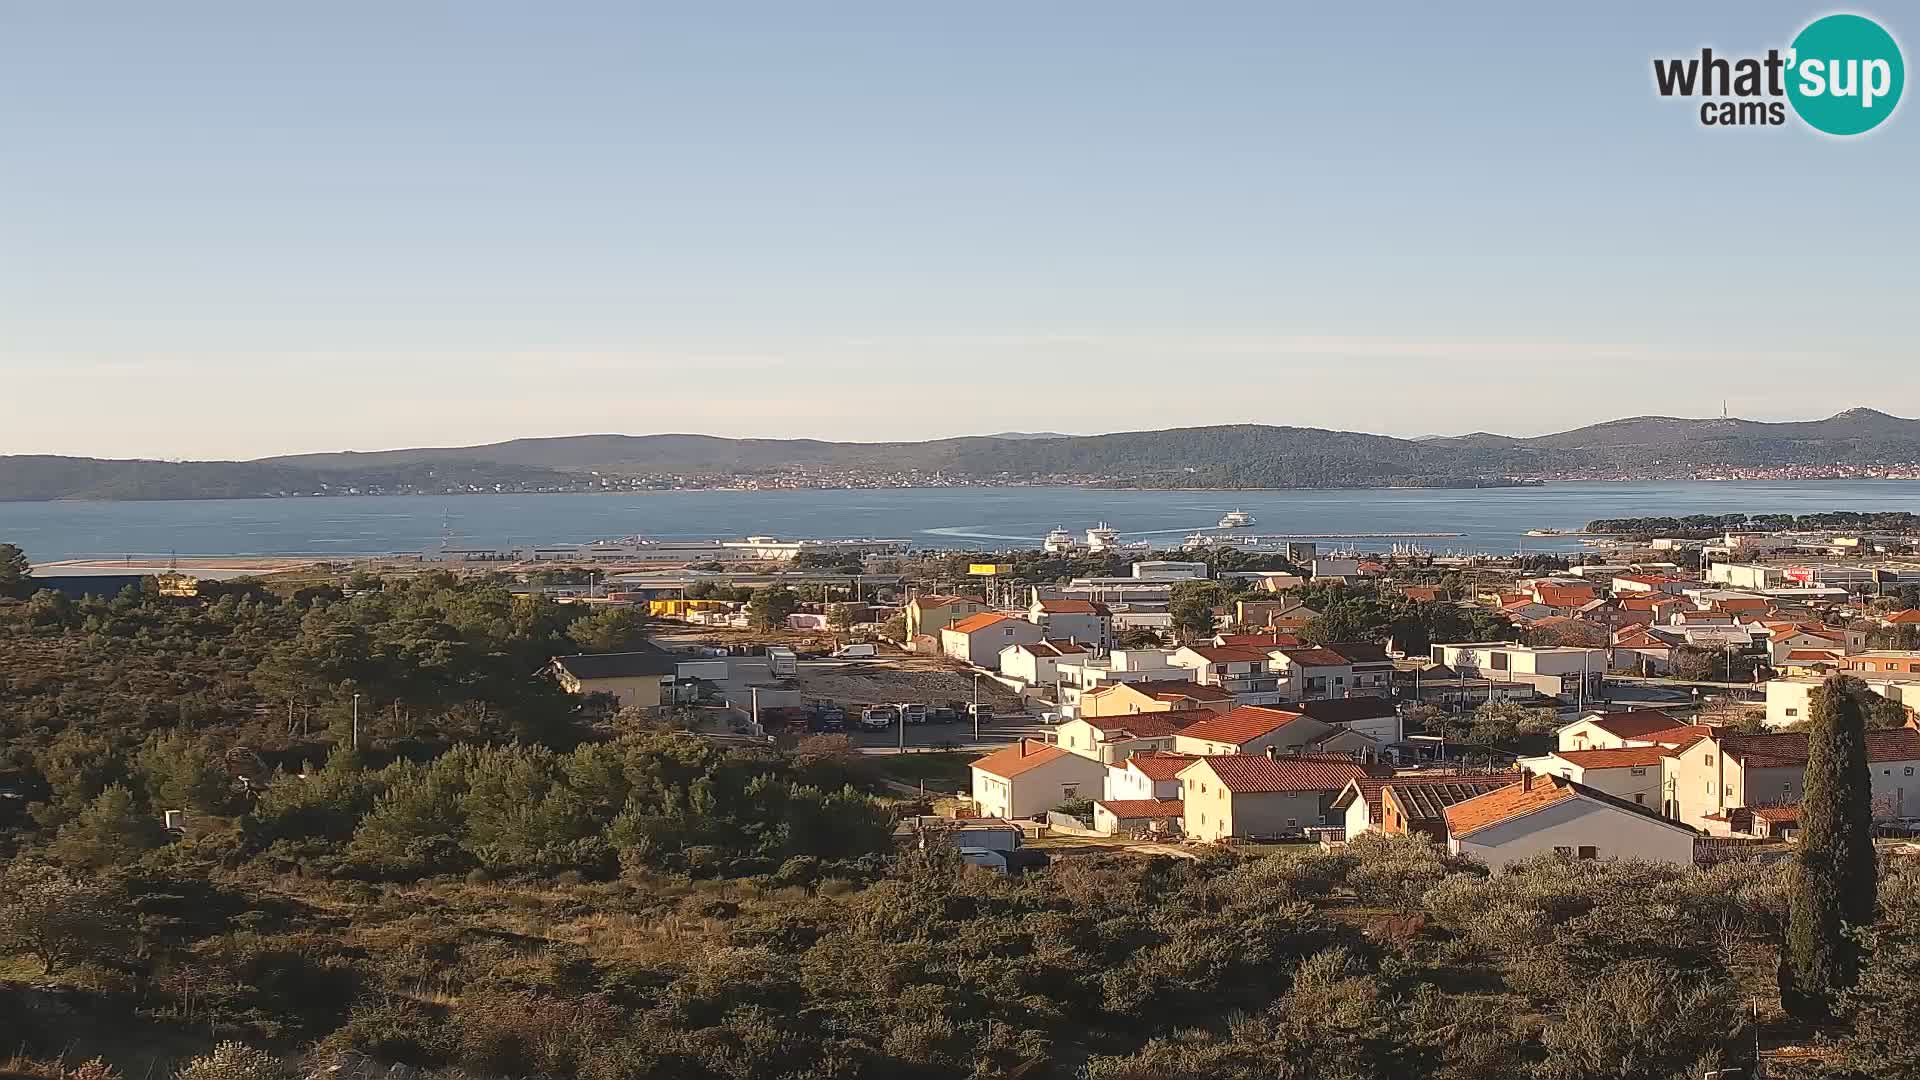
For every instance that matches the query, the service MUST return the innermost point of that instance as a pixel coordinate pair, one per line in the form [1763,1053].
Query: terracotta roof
[1421,594]
[1143,808]
[1614,759]
[1256,774]
[1315,657]
[1784,749]
[1149,725]
[1644,579]
[974,623]
[1159,764]
[1241,725]
[1073,607]
[1224,654]
[1815,656]
[1022,756]
[1633,725]
[1684,736]
[1785,815]
[1909,617]
[1641,639]
[1517,800]
[1563,595]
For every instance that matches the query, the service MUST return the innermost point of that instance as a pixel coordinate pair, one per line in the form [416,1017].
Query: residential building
[1632,773]
[1149,774]
[1037,663]
[931,614]
[1613,730]
[1552,814]
[1411,802]
[1378,718]
[1169,570]
[1790,699]
[1088,622]
[926,830]
[1639,650]
[978,639]
[1252,729]
[1339,569]
[1031,778]
[1242,672]
[1313,672]
[1125,699]
[1371,673]
[1111,816]
[1113,739]
[1885,662]
[1251,796]
[1555,672]
[1715,774]
[630,678]
[1751,576]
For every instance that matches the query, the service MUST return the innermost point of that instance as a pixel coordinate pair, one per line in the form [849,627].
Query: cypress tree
[1834,871]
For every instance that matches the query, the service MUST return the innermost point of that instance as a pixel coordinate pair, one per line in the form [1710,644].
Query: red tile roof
[1518,800]
[1073,607]
[1421,594]
[1785,749]
[1143,808]
[1815,656]
[975,623]
[1255,774]
[1614,759]
[1423,796]
[1569,596]
[1271,639]
[1052,648]
[1022,756]
[1159,764]
[1241,725]
[1190,691]
[1149,725]
[1909,617]
[1315,657]
[1635,724]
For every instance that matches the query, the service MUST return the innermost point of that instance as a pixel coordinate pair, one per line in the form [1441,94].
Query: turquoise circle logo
[1845,74]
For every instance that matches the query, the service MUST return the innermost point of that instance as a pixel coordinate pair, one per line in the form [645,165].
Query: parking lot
[950,736]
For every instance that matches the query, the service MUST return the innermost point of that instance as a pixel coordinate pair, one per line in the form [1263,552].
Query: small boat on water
[1237,519]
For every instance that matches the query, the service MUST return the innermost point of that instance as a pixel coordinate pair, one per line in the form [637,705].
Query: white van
[857,652]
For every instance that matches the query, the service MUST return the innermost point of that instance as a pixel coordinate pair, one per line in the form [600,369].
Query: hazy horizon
[231,231]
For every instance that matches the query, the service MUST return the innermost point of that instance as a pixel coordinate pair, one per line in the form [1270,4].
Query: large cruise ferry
[1058,542]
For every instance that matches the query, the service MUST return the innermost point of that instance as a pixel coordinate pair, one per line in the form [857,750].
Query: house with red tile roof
[1563,598]
[1719,773]
[1031,778]
[1085,621]
[1112,816]
[1149,774]
[1254,729]
[930,613]
[978,639]
[1412,802]
[1153,695]
[1037,663]
[1603,730]
[1249,796]
[1242,671]
[1894,620]
[1543,815]
[1263,640]
[1633,773]
[1113,739]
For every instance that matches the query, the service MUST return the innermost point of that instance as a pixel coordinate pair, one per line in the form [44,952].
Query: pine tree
[1835,870]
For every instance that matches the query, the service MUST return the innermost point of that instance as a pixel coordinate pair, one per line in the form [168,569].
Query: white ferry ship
[1237,519]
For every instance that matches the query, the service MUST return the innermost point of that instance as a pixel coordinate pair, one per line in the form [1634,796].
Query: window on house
[1640,797]
[1070,791]
[1589,852]
[1786,788]
[1709,759]
[1793,712]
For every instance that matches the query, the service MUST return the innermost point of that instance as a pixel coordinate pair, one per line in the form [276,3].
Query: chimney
[1273,753]
[1526,781]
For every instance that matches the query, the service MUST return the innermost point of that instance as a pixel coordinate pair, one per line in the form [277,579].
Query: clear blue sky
[237,229]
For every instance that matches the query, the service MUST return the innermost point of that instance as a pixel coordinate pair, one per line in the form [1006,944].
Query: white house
[978,639]
[1113,739]
[1313,672]
[1376,717]
[1411,802]
[1085,621]
[1031,778]
[1633,773]
[1555,672]
[1241,795]
[1554,815]
[1037,663]
[1612,730]
[1150,774]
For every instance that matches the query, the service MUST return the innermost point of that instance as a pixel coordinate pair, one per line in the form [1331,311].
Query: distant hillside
[1230,456]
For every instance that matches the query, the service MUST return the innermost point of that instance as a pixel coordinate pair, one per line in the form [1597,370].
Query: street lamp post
[356,721]
[976,706]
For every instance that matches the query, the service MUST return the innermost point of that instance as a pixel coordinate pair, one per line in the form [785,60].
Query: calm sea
[1492,519]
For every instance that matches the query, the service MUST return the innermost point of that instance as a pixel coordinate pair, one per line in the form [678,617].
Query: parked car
[878,718]
[981,713]
[857,652]
[913,713]
[829,718]
[943,714]
[1051,717]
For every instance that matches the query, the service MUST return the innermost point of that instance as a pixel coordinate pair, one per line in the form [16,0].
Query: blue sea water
[1488,519]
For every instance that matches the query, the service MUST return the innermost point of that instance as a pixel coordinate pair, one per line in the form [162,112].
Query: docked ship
[1058,542]
[1546,532]
[1237,519]
[1102,537]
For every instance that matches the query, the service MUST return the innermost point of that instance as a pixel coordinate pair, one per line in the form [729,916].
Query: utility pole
[356,721]
[976,706]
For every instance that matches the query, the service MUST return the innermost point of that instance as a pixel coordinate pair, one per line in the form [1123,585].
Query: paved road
[925,736]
